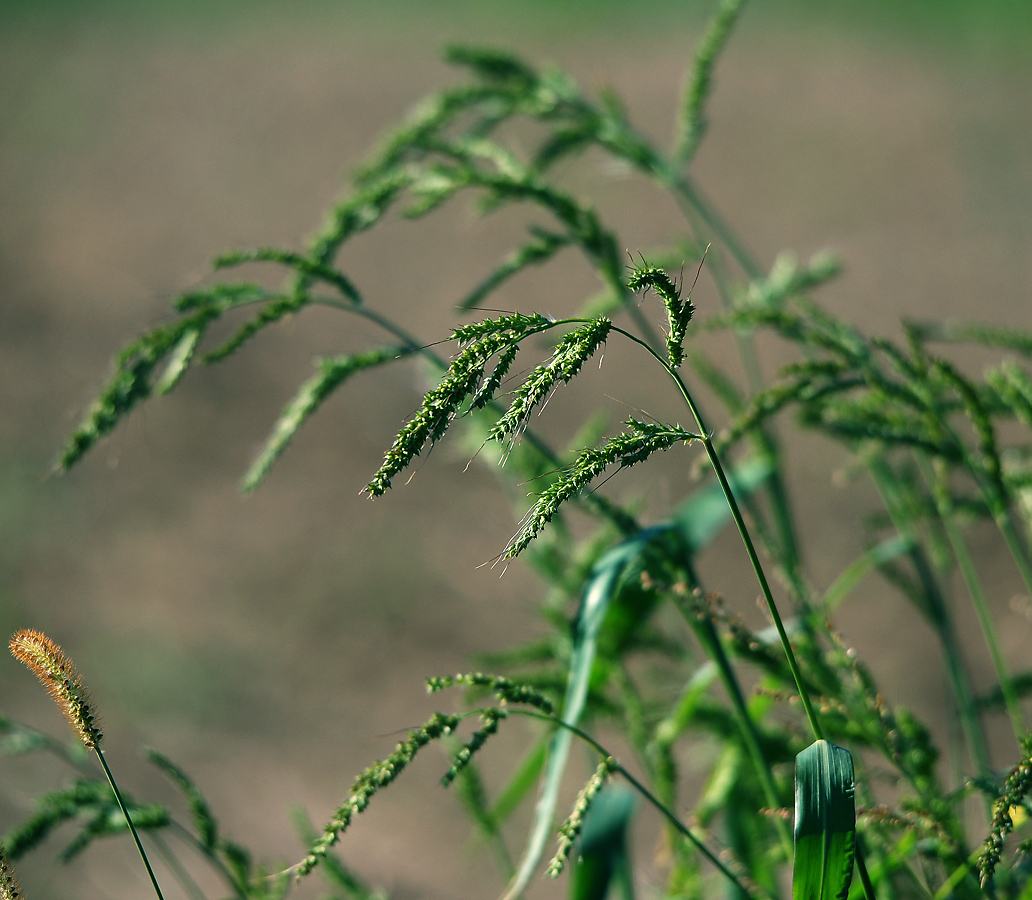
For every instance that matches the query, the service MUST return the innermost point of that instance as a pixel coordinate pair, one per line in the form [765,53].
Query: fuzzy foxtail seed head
[53,667]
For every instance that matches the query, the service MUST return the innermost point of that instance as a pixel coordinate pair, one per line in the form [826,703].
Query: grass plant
[785,712]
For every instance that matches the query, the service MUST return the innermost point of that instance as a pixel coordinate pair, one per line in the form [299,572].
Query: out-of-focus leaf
[704,514]
[602,859]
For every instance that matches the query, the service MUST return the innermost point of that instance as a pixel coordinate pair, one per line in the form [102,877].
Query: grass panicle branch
[490,719]
[331,373]
[679,311]
[504,689]
[372,781]
[635,445]
[1015,789]
[570,830]
[692,122]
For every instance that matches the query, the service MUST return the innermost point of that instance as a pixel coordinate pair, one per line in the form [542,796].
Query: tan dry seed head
[9,889]
[53,667]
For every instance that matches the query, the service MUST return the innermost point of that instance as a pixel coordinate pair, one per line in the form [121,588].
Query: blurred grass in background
[138,140]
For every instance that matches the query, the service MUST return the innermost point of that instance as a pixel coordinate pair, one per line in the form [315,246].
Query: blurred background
[270,644]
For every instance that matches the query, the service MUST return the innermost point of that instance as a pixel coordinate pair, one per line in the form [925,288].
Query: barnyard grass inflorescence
[504,689]
[374,779]
[570,830]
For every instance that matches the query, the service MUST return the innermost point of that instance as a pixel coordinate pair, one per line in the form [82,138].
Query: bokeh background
[271,644]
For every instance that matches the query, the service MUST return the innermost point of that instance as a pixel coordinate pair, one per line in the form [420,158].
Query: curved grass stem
[664,810]
[743,531]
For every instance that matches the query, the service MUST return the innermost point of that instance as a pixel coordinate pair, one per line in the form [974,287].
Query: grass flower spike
[53,667]
[8,882]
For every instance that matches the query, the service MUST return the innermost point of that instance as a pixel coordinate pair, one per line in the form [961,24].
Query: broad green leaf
[825,823]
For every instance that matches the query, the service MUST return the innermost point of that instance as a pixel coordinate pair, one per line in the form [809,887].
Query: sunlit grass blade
[825,823]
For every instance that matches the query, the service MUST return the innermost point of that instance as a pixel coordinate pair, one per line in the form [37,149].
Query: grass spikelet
[375,778]
[55,670]
[626,449]
[569,355]
[490,718]
[505,690]
[571,828]
[9,888]
[481,341]
[1015,789]
[692,124]
[679,311]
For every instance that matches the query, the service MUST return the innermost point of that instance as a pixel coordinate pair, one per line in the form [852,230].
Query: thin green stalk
[177,868]
[681,828]
[938,616]
[235,884]
[743,531]
[129,822]
[969,572]
[710,640]
[754,559]
[703,217]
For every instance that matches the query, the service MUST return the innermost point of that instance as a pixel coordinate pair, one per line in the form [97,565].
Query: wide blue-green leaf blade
[825,823]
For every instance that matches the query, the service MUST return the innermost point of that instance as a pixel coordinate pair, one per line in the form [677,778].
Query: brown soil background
[269,643]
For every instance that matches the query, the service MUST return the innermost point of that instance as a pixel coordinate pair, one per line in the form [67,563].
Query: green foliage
[636,644]
[825,823]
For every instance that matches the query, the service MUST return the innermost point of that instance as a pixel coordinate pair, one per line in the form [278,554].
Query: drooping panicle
[679,310]
[53,667]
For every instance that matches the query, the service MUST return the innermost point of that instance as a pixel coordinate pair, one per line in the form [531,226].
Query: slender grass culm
[726,731]
[58,675]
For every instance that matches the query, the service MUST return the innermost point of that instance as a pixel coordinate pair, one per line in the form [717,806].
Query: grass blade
[601,586]
[825,823]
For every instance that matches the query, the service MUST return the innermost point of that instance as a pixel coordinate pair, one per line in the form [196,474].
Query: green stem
[129,821]
[743,532]
[1017,549]
[710,640]
[681,828]
[938,617]
[178,870]
[969,572]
